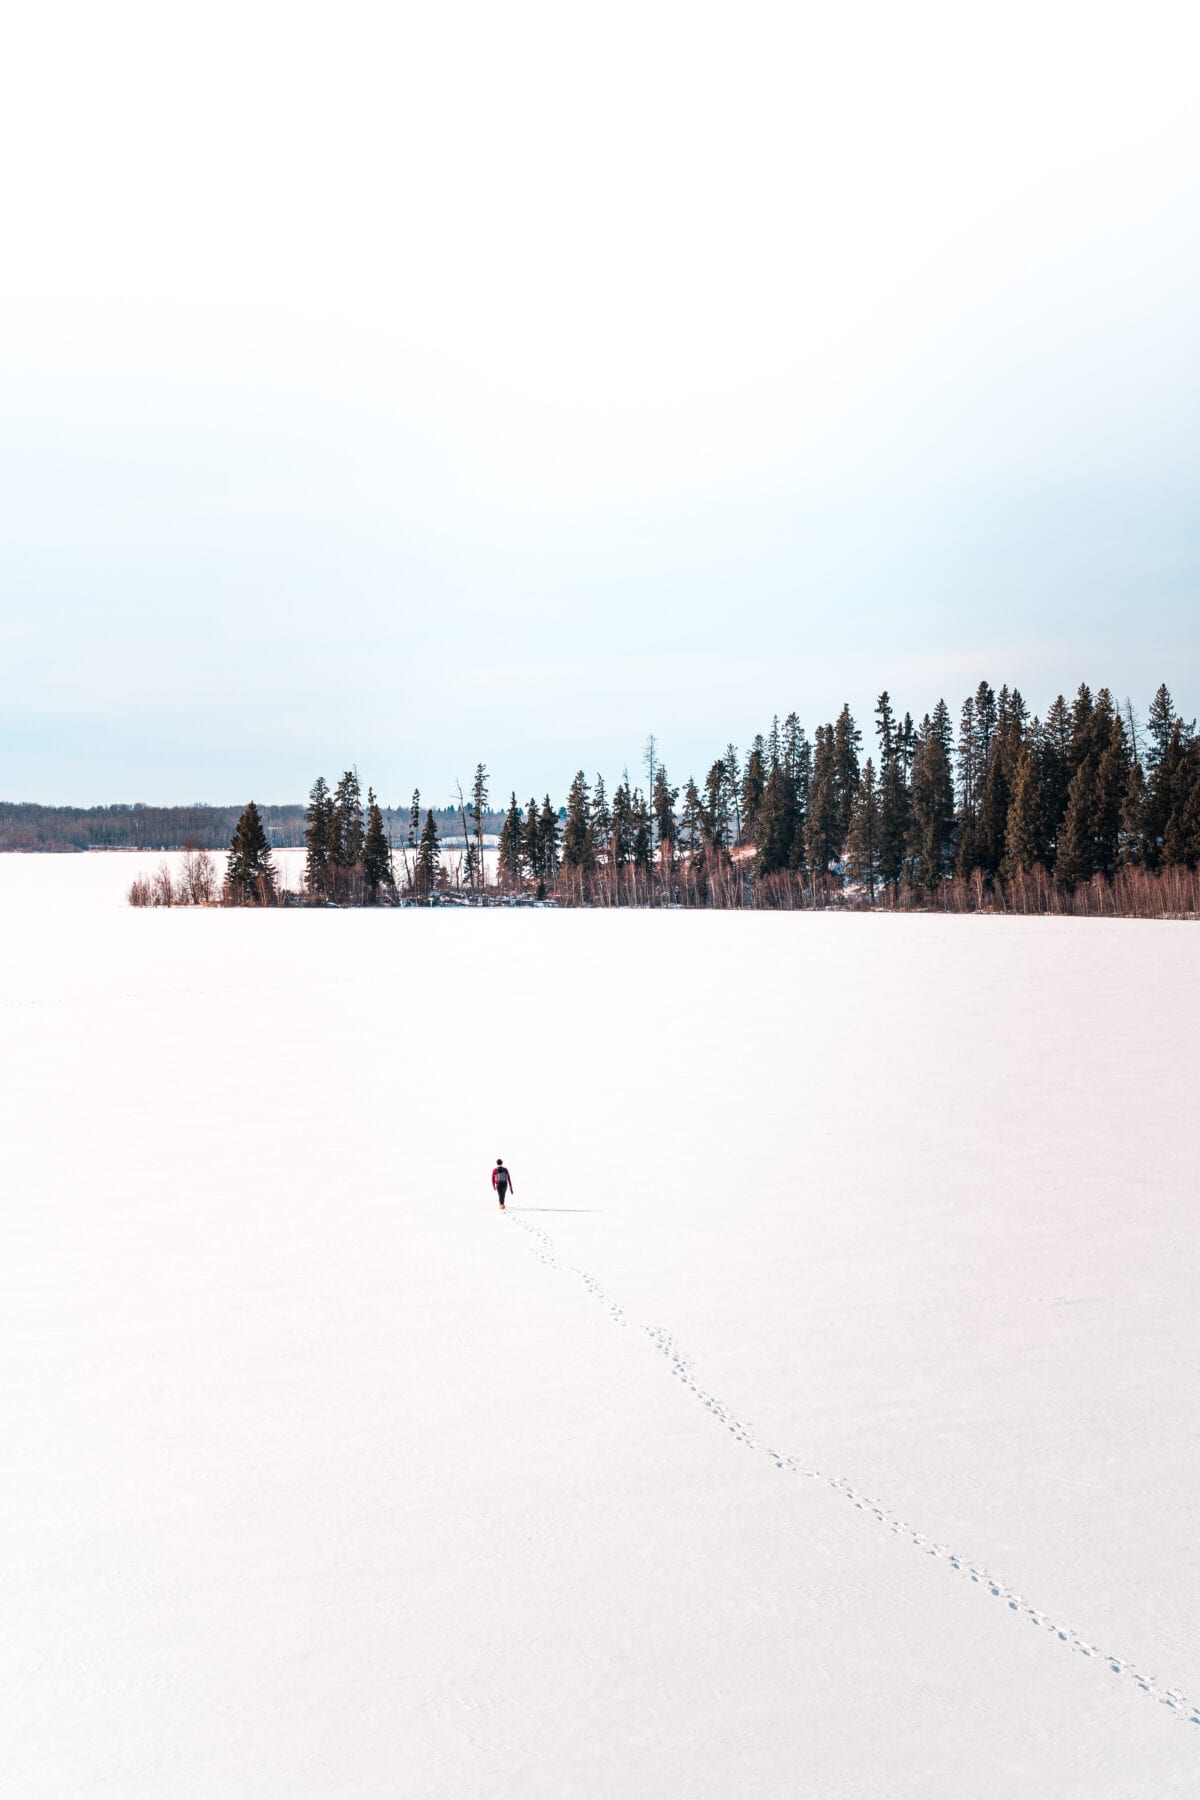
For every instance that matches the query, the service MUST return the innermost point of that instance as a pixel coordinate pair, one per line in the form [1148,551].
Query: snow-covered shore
[851,1276]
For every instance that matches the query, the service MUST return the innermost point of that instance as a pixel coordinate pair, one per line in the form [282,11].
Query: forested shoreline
[26,825]
[1090,811]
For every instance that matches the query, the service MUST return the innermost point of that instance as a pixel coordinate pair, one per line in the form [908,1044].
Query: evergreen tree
[1082,708]
[512,837]
[1160,722]
[796,754]
[1055,772]
[663,806]
[548,839]
[893,796]
[319,839]
[775,824]
[1112,778]
[943,730]
[531,842]
[991,830]
[620,843]
[642,849]
[346,852]
[414,819]
[1133,818]
[987,715]
[863,843]
[1167,765]
[376,854]
[479,797]
[754,783]
[822,836]
[733,792]
[1076,860]
[689,820]
[932,828]
[600,823]
[715,821]
[1025,842]
[1181,840]
[427,866]
[847,741]
[968,796]
[249,869]
[577,850]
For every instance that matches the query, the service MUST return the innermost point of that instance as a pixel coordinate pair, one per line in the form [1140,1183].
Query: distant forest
[24,826]
[1087,811]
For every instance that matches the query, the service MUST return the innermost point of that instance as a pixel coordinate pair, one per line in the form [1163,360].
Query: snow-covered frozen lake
[822,1421]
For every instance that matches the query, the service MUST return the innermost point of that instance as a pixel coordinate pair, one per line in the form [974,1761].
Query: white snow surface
[821,1421]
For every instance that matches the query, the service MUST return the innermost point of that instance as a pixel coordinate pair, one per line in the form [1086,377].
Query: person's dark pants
[501,1191]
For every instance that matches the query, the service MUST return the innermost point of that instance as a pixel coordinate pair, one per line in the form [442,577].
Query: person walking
[501,1181]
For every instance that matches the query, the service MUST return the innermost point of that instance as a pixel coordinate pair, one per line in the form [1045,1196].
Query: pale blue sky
[411,386]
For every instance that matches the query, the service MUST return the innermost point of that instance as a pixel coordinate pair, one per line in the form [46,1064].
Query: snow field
[325,1480]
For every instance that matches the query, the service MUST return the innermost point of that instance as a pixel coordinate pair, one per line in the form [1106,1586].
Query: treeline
[1088,811]
[1085,811]
[26,826]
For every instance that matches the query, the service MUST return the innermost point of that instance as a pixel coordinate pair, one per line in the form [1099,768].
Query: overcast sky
[410,385]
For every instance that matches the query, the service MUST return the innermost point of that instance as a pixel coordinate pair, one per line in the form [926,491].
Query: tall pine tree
[319,840]
[249,869]
[863,842]
[378,879]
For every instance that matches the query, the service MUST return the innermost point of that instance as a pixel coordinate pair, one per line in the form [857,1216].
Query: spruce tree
[733,793]
[600,822]
[1167,766]
[968,798]
[318,839]
[1112,778]
[346,854]
[715,820]
[863,852]
[1181,840]
[893,796]
[847,741]
[754,783]
[1076,859]
[775,824]
[1133,818]
[376,854]
[1055,772]
[548,841]
[511,846]
[249,869]
[479,797]
[577,851]
[1160,722]
[620,843]
[822,835]
[531,842]
[642,847]
[991,831]
[667,829]
[689,819]
[427,865]
[1024,842]
[931,834]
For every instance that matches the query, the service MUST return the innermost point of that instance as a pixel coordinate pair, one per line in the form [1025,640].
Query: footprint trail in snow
[1172,1698]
